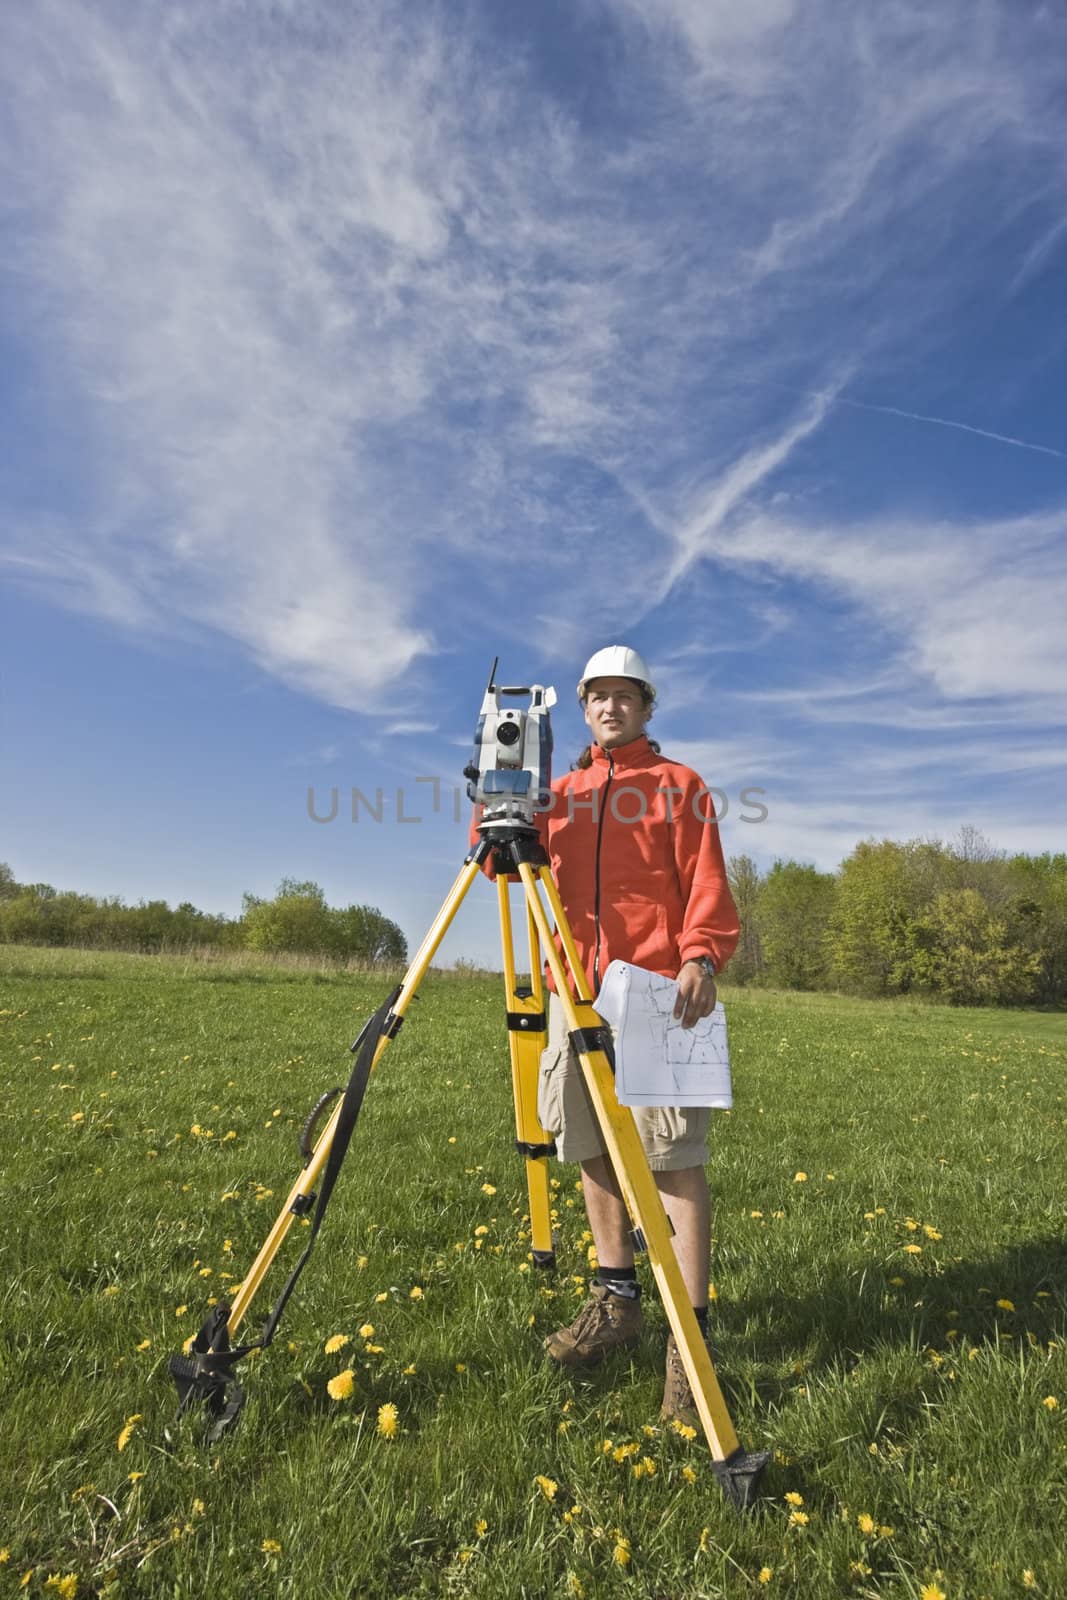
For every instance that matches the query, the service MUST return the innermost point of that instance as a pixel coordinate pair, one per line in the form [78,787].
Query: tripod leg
[300,1195]
[737,1471]
[526,1040]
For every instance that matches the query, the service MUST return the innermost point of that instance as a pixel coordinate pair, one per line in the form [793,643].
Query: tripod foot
[739,1476]
[544,1260]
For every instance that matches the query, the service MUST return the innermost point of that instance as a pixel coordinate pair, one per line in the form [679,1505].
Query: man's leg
[687,1202]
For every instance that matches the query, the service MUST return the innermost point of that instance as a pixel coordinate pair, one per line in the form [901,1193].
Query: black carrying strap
[207,1373]
[365,1047]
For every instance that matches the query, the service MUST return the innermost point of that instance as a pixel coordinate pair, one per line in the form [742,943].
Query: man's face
[615,711]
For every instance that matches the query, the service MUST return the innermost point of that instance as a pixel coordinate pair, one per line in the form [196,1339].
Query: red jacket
[640,871]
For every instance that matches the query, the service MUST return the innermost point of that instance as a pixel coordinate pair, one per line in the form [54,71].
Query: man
[634,847]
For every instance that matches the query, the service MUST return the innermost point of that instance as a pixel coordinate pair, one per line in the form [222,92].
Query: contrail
[946,422]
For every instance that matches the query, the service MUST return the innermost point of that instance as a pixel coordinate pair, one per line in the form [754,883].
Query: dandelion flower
[547,1486]
[765,1574]
[799,1519]
[575,1586]
[179,1311]
[794,1499]
[489,1188]
[335,1342]
[461,1366]
[409,1372]
[1050,1403]
[481,1528]
[913,1249]
[801,1177]
[145,1344]
[416,1293]
[621,1553]
[689,1475]
[66,1587]
[271,1547]
[388,1420]
[367,1331]
[341,1387]
[124,1436]
[1005,1305]
[930,1591]
[866,1522]
[380,1299]
[1029,1581]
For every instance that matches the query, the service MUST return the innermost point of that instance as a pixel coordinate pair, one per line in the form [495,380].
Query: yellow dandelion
[765,1574]
[130,1424]
[931,1233]
[179,1311]
[5,1555]
[801,1177]
[335,1342]
[794,1499]
[1005,1305]
[367,1331]
[799,1519]
[884,1532]
[145,1344]
[66,1587]
[388,1420]
[1029,1581]
[135,1477]
[547,1486]
[481,1528]
[621,1553]
[464,1555]
[705,1535]
[489,1188]
[913,1249]
[416,1293]
[271,1547]
[341,1387]
[1050,1403]
[361,1263]
[409,1372]
[461,1366]
[866,1522]
[689,1475]
[198,1507]
[930,1591]
[575,1586]
[380,1299]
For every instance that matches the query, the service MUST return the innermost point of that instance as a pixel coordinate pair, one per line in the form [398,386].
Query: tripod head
[510,772]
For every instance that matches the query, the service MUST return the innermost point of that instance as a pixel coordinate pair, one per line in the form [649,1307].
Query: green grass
[890,1384]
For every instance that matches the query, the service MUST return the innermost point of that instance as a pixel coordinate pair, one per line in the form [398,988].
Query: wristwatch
[706,963]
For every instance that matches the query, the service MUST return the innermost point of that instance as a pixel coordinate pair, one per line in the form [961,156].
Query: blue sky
[347,346]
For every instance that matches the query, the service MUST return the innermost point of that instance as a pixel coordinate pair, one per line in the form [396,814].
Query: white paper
[657,1061]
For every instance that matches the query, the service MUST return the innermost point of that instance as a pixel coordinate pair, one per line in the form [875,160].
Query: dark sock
[701,1314]
[620,1280]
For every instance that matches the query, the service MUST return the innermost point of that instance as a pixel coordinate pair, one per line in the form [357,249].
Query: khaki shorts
[673,1137]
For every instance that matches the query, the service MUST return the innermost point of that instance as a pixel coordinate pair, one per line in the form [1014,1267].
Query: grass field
[890,1315]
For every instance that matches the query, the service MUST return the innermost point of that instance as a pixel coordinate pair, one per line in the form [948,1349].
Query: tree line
[296,919]
[962,923]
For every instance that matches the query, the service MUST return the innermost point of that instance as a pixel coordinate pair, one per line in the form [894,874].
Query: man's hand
[696,995]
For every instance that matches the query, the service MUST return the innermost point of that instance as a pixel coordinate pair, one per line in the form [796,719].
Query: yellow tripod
[515,849]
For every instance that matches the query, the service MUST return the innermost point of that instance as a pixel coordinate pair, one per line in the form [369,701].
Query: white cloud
[342,301]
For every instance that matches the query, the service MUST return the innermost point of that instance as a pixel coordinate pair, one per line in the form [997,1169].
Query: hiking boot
[678,1401]
[606,1322]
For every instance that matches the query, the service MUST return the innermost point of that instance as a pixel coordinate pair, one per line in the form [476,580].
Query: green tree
[744,879]
[960,951]
[792,916]
[867,931]
[363,933]
[297,919]
[8,887]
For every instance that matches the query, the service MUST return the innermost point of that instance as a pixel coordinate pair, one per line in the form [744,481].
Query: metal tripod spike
[206,1374]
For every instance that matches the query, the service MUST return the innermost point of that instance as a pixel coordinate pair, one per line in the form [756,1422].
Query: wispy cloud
[369,330]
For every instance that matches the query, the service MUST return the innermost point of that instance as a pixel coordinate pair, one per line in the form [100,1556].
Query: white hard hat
[616,661]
